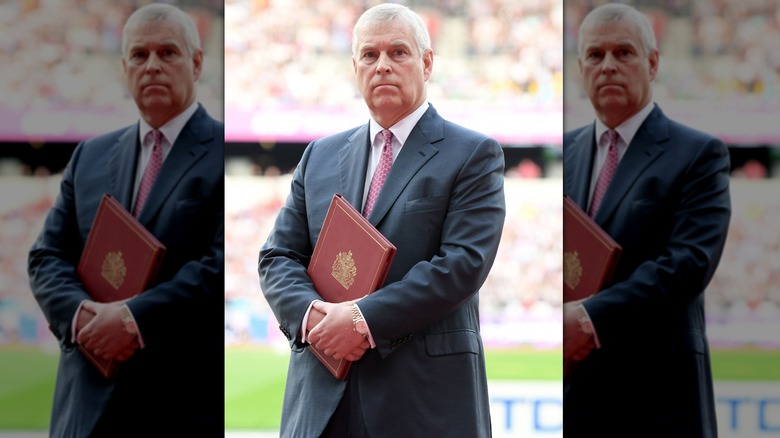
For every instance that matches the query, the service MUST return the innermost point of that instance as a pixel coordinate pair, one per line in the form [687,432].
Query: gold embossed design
[114,269]
[344,269]
[572,269]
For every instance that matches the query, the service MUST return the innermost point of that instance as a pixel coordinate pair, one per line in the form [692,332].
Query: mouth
[610,86]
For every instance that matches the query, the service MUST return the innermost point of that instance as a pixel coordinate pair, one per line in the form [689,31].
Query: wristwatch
[359,323]
[586,325]
[128,321]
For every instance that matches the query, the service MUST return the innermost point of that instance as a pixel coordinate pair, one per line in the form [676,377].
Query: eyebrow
[162,44]
[394,44]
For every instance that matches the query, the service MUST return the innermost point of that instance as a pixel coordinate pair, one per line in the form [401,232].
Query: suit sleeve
[698,219]
[284,258]
[53,258]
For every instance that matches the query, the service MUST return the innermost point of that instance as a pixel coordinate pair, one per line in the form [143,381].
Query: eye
[595,55]
[138,55]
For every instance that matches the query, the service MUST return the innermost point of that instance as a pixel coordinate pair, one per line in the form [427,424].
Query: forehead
[603,35]
[165,32]
[393,33]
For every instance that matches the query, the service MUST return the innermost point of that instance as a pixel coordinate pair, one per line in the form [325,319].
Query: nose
[383,64]
[153,63]
[609,65]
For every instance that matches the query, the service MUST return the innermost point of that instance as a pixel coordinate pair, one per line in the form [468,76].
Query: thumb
[321,306]
[90,305]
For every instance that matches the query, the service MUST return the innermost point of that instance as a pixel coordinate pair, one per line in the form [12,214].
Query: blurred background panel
[498,69]
[719,72]
[61,82]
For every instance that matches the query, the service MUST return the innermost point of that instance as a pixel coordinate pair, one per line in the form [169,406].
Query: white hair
[386,13]
[618,12]
[157,12]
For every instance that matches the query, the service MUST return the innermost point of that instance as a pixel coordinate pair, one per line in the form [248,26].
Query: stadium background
[499,68]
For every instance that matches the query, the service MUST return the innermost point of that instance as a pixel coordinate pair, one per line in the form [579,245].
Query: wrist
[358,322]
[585,323]
[128,321]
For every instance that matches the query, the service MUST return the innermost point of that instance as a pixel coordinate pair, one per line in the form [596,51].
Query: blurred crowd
[710,49]
[66,53]
[297,52]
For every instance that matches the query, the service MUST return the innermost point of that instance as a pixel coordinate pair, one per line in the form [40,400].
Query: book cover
[589,254]
[120,259]
[350,260]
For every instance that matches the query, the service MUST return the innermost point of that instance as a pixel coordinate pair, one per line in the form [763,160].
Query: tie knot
[387,136]
[612,136]
[156,136]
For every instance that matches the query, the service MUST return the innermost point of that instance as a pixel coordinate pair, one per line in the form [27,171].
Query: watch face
[361,327]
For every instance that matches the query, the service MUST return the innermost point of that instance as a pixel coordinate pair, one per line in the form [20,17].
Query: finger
[320,306]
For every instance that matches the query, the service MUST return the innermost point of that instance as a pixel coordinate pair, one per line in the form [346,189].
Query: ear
[427,63]
[197,63]
[354,65]
[653,59]
[124,65]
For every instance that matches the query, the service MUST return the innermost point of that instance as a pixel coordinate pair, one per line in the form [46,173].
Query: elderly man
[167,169]
[418,361]
[661,190]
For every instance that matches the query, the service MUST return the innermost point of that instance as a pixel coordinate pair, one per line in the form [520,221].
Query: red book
[120,259]
[589,254]
[589,258]
[350,260]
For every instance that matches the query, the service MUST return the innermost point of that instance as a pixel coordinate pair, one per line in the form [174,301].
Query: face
[390,72]
[615,70]
[159,70]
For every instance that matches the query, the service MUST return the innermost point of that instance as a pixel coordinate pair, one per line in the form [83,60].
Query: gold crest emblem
[572,269]
[344,269]
[114,269]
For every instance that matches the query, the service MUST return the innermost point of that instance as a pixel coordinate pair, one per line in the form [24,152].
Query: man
[418,365]
[169,338]
[645,368]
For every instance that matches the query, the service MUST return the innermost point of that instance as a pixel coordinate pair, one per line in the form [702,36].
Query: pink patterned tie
[607,170]
[380,174]
[151,171]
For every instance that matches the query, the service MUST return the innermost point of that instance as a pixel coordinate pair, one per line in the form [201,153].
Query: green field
[254,380]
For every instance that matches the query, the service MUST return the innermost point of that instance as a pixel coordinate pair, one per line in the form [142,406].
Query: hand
[104,334]
[315,317]
[576,344]
[335,334]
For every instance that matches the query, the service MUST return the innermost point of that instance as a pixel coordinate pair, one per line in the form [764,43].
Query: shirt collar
[403,128]
[628,129]
[173,128]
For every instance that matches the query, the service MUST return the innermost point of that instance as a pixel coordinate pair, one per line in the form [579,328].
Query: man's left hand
[105,335]
[336,335]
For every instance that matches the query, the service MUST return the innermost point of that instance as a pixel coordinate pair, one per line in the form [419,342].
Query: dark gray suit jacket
[443,208]
[172,385]
[668,206]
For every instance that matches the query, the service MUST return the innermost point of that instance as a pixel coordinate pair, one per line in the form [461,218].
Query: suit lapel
[122,166]
[187,150]
[417,150]
[578,162]
[642,152]
[353,163]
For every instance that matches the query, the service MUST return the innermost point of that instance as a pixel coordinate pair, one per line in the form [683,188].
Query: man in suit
[419,367]
[169,338]
[644,365]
